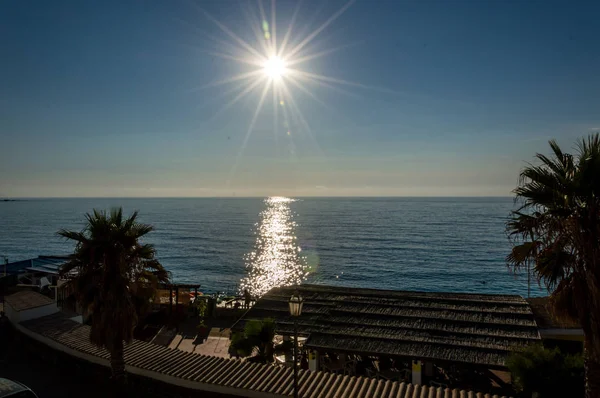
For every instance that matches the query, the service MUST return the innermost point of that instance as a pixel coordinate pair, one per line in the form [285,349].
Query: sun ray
[275,118]
[295,61]
[273,27]
[289,30]
[302,119]
[221,45]
[249,131]
[235,88]
[306,27]
[310,37]
[297,84]
[325,84]
[268,36]
[255,25]
[220,42]
[318,77]
[232,79]
[312,95]
[284,111]
[249,61]
[248,89]
[235,37]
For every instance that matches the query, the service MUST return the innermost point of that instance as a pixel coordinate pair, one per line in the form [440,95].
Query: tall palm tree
[112,273]
[557,230]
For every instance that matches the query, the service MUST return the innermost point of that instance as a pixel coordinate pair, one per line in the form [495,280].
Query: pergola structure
[175,288]
[477,331]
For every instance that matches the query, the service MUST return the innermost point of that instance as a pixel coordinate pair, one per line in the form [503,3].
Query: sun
[274,67]
[277,66]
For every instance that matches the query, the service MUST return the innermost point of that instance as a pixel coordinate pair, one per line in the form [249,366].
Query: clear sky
[443,98]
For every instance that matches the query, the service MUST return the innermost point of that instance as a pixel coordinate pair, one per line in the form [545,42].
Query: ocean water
[426,244]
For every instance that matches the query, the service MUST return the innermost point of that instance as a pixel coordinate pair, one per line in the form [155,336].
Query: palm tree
[113,274]
[556,228]
[257,338]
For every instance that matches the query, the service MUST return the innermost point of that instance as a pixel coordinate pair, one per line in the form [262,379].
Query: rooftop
[27,299]
[48,264]
[545,318]
[476,329]
[230,376]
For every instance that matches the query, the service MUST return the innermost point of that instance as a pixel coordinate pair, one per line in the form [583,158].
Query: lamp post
[295,311]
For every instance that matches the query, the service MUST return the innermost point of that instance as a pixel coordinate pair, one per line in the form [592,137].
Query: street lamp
[295,311]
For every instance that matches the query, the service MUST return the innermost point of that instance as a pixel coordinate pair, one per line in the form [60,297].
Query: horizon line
[250,197]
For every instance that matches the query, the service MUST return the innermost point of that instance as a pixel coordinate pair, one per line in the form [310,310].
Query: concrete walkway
[217,343]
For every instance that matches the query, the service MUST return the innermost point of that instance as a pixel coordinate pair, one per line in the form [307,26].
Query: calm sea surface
[432,244]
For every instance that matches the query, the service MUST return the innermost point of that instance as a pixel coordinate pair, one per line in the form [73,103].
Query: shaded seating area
[438,339]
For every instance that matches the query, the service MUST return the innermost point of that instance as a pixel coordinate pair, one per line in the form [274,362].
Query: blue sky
[448,98]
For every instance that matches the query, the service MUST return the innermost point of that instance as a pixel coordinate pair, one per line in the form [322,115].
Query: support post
[313,360]
[295,357]
[416,372]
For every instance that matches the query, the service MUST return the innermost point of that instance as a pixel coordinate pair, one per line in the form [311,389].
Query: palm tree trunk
[592,366]
[117,362]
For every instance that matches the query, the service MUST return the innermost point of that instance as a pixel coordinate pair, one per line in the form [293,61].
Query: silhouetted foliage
[557,230]
[547,372]
[256,339]
[114,277]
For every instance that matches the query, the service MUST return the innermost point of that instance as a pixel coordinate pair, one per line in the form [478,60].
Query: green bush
[257,338]
[201,306]
[548,372]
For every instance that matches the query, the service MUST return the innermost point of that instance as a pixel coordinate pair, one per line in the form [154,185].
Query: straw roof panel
[475,328]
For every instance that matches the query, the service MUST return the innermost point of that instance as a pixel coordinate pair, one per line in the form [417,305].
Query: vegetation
[557,230]
[201,307]
[256,339]
[547,372]
[114,277]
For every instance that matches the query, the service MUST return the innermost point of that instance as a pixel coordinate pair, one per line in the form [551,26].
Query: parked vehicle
[14,389]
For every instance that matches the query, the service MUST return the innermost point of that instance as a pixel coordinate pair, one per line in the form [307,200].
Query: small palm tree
[557,230]
[256,339]
[114,276]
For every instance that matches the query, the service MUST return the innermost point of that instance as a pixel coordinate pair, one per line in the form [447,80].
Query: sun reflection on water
[276,259]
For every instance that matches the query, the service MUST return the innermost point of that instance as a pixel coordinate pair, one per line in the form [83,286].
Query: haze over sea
[427,244]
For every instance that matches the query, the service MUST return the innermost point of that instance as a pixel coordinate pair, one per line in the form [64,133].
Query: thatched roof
[468,328]
[545,317]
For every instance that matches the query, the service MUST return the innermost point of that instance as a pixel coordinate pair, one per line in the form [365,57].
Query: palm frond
[556,227]
[78,237]
[521,254]
[106,269]
[116,216]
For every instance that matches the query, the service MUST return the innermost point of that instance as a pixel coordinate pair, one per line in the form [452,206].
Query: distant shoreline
[252,197]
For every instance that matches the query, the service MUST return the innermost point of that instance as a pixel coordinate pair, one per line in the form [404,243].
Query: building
[427,330]
[554,331]
[229,377]
[39,271]
[26,305]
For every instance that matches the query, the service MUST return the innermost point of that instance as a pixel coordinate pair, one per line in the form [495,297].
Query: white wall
[38,312]
[12,315]
[32,313]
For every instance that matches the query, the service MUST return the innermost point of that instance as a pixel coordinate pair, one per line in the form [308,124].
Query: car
[14,389]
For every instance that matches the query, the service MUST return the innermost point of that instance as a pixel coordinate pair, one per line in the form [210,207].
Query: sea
[229,244]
